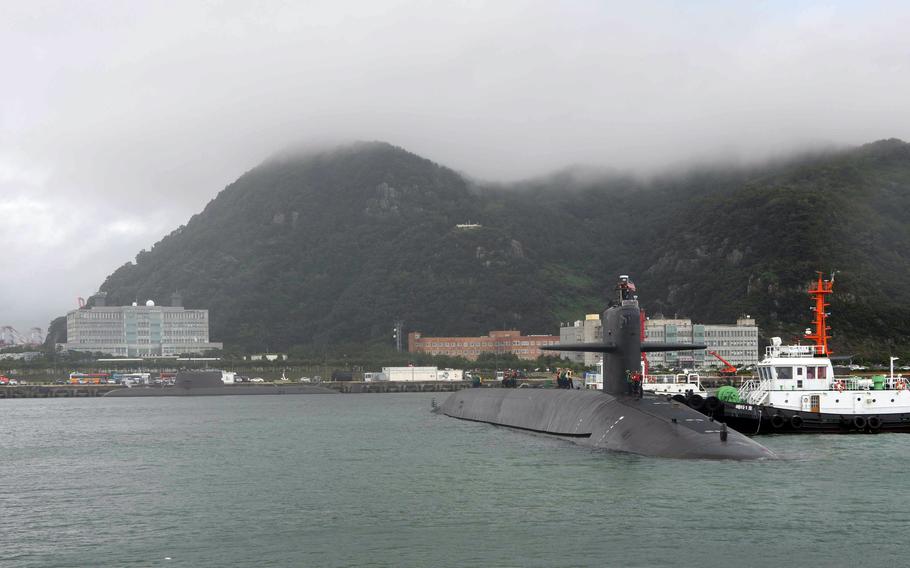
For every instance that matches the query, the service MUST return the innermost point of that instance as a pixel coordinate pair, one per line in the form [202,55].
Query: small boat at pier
[796,390]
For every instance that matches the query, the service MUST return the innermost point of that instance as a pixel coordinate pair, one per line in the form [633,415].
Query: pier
[345,387]
[55,391]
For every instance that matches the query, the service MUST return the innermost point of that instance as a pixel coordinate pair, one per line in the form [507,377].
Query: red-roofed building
[511,341]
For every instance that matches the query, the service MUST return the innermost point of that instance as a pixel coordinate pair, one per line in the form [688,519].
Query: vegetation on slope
[331,248]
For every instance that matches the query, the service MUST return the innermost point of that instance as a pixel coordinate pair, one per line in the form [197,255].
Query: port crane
[728,368]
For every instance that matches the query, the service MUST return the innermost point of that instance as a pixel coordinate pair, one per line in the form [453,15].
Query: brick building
[523,346]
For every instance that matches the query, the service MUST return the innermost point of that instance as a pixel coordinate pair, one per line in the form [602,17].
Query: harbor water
[378,480]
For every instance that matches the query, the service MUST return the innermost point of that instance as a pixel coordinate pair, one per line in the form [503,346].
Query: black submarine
[620,417]
[209,383]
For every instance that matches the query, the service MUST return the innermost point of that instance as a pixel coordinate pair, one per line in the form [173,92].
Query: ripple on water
[377,480]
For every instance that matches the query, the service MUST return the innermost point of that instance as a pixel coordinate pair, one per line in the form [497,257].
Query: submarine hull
[651,425]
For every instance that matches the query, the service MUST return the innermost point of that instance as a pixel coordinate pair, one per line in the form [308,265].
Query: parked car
[257,380]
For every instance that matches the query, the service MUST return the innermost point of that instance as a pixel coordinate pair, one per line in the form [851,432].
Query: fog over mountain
[118,121]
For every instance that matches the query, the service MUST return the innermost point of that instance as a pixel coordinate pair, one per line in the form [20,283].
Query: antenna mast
[818,290]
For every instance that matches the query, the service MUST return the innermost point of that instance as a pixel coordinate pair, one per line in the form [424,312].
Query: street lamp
[893,359]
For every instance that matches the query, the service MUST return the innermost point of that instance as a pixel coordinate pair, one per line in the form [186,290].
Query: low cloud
[118,121]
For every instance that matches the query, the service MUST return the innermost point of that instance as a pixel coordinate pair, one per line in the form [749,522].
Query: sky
[120,120]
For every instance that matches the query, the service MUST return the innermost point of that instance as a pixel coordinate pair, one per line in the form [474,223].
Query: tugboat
[796,390]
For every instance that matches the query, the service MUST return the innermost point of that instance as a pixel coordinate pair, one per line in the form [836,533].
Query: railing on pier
[677,379]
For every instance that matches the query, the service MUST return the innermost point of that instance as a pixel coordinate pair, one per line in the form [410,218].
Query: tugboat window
[784,373]
[799,371]
[810,373]
[822,372]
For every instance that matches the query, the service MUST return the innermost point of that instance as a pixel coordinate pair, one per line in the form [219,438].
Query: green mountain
[332,247]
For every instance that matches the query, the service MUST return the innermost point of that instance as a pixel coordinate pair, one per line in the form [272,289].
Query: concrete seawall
[55,391]
[356,387]
[88,391]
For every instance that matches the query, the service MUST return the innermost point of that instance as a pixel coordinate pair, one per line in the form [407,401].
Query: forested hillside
[333,247]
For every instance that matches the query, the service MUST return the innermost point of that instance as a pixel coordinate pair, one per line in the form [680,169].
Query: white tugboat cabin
[794,377]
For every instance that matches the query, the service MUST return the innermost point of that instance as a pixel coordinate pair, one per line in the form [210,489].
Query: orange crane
[728,368]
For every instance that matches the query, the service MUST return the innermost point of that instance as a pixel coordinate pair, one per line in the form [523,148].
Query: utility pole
[396,334]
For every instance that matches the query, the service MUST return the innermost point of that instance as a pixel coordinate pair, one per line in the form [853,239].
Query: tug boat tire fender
[859,422]
[874,423]
[712,403]
[696,402]
[796,421]
[778,421]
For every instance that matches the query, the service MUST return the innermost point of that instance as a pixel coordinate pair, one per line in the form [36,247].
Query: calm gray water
[377,480]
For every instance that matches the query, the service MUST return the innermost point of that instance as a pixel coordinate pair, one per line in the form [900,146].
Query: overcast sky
[119,120]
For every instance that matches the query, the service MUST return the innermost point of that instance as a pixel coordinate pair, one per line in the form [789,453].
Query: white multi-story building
[138,330]
[736,343]
[588,330]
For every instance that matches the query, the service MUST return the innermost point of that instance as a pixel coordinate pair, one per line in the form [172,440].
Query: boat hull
[759,419]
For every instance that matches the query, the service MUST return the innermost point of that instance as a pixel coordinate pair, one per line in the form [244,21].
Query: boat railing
[867,383]
[754,391]
[788,351]
[677,379]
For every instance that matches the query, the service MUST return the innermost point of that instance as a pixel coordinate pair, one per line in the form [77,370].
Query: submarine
[621,417]
[209,383]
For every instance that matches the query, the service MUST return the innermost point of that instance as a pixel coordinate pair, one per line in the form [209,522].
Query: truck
[415,374]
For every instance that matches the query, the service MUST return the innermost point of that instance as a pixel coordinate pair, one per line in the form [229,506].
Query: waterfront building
[511,341]
[737,343]
[139,330]
[588,330]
